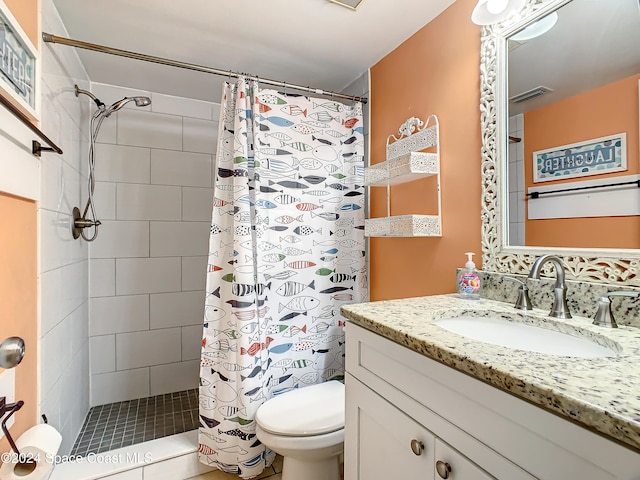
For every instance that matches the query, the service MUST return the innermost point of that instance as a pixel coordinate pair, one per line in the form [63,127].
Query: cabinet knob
[417,447]
[443,469]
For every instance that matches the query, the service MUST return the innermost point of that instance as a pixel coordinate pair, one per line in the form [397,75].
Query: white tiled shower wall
[64,266]
[154,171]
[64,348]
[517,205]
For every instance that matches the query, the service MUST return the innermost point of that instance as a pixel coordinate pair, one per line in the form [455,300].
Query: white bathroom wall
[516,182]
[360,87]
[64,266]
[154,170]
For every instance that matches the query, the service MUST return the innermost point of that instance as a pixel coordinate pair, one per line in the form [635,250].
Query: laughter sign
[592,157]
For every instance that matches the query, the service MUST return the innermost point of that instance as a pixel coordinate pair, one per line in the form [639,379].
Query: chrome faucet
[559,309]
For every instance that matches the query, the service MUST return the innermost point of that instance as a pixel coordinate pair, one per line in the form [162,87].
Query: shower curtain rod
[49,38]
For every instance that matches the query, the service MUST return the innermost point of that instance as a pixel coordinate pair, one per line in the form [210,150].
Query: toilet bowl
[306,427]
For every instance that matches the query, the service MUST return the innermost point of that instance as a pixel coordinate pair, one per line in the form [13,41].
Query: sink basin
[523,336]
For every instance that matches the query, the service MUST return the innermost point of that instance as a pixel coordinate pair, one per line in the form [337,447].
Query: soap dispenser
[468,281]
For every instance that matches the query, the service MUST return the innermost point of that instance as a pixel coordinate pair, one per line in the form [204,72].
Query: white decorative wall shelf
[405,163]
[403,226]
[408,167]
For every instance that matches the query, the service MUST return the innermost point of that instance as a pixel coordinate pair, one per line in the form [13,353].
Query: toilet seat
[308,411]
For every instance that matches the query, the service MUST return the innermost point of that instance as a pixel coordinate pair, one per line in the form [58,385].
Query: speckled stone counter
[602,394]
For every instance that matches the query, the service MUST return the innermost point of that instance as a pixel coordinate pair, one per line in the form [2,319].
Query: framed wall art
[582,159]
[19,65]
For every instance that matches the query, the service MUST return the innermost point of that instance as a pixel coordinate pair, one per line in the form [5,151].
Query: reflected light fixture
[487,12]
[536,29]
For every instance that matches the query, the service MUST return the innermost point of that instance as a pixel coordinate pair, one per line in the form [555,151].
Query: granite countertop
[602,394]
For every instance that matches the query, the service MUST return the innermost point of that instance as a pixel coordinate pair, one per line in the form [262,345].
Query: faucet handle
[623,293]
[604,316]
[523,302]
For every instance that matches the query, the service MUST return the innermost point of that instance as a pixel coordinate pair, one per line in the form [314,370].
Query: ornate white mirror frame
[619,267]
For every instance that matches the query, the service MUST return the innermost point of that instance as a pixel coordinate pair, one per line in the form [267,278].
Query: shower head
[139,101]
[142,101]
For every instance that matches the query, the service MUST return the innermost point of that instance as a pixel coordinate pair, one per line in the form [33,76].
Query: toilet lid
[306,411]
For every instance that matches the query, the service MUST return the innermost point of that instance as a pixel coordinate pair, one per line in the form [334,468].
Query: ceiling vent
[529,94]
[350,4]
[512,44]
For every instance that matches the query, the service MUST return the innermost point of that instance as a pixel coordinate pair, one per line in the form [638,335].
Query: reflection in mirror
[613,266]
[573,114]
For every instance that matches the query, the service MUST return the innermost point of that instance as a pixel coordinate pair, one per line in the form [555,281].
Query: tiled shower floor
[122,424]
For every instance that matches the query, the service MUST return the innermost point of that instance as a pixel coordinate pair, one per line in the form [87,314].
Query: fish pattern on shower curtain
[287,249]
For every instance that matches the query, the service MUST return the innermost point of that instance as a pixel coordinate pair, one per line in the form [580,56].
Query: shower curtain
[287,248]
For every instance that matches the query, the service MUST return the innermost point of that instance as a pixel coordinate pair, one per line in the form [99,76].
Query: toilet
[306,427]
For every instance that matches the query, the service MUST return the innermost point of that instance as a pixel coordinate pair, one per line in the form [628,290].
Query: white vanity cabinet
[406,414]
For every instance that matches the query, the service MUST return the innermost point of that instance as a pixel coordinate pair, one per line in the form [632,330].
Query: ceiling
[304,42]
[594,43]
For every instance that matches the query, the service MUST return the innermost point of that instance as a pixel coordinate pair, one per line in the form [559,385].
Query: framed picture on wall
[582,159]
[19,65]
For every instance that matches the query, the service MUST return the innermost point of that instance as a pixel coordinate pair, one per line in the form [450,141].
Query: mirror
[577,71]
[574,82]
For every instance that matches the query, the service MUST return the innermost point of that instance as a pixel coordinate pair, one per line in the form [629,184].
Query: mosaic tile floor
[122,424]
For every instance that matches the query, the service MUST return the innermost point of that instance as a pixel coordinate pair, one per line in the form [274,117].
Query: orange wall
[435,71]
[26,12]
[601,112]
[18,307]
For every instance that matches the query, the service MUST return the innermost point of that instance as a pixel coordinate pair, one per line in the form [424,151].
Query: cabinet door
[451,464]
[388,444]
